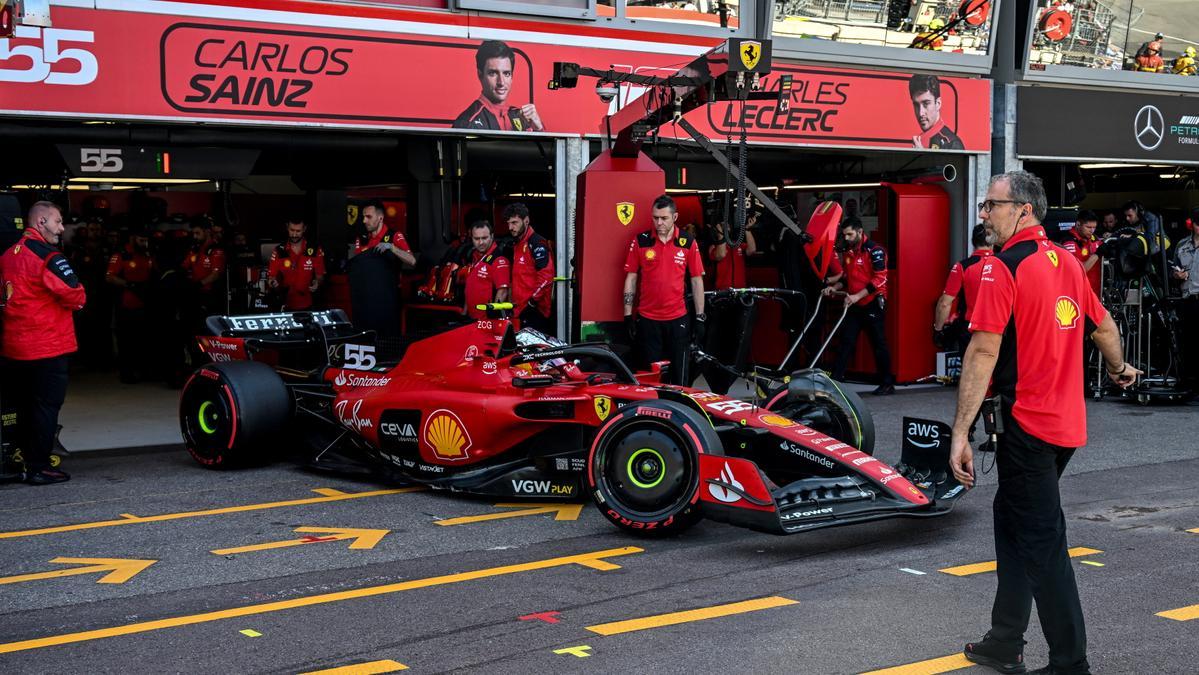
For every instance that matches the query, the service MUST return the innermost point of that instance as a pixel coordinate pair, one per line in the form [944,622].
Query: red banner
[107,64]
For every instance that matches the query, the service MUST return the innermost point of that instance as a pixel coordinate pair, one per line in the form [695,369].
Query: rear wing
[284,324]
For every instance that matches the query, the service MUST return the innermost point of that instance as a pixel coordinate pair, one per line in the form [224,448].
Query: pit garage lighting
[831,186]
[143,181]
[1123,166]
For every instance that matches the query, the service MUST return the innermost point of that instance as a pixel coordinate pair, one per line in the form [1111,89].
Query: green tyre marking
[633,476]
[202,418]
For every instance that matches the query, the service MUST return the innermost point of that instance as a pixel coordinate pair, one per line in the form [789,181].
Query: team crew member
[1185,269]
[494,64]
[1033,300]
[297,268]
[961,288]
[488,276]
[532,271]
[658,263]
[925,91]
[40,290]
[861,273]
[374,267]
[205,265]
[1083,243]
[131,270]
[730,260]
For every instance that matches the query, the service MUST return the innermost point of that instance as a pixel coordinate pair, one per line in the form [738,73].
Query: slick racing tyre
[229,412]
[643,470]
[817,401]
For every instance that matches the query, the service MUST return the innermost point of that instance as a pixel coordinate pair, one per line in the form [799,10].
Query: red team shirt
[865,267]
[382,235]
[963,281]
[532,273]
[730,272]
[134,268]
[295,272]
[663,270]
[488,272]
[1084,249]
[1033,294]
[203,261]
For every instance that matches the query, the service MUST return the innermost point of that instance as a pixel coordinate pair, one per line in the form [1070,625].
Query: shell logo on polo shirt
[649,254]
[1065,310]
[287,263]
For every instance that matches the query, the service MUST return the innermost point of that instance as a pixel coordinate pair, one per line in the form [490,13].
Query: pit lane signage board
[1106,126]
[109,64]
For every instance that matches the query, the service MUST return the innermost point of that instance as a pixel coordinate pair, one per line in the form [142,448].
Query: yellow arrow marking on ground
[560,511]
[617,627]
[119,570]
[363,539]
[371,668]
[129,519]
[1182,613]
[593,560]
[1194,531]
[944,664]
[989,566]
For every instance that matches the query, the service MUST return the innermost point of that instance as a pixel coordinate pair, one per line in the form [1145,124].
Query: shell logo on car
[446,435]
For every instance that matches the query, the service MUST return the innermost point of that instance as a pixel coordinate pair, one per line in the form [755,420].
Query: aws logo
[446,435]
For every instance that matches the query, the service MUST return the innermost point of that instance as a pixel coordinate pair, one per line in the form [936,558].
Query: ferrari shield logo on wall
[351,214]
[624,212]
[603,407]
[751,53]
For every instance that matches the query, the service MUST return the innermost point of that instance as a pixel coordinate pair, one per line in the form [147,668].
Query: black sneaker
[48,477]
[996,655]
[884,390]
[1054,670]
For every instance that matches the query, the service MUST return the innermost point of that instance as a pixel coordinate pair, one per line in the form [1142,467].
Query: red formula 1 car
[482,409]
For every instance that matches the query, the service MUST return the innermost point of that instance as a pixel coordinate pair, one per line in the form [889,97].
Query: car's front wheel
[643,469]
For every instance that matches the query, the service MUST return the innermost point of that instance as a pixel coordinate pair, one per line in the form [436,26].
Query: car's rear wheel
[643,470]
[230,413]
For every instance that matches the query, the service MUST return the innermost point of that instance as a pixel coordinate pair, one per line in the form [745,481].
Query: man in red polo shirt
[488,275]
[657,266]
[730,260]
[1083,243]
[961,289]
[374,269]
[1034,310]
[532,271]
[296,267]
[860,272]
[130,271]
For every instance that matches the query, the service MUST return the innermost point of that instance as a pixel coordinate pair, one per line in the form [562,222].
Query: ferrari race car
[482,409]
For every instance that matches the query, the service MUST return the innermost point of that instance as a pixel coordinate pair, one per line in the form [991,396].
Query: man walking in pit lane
[40,290]
[1034,299]
[657,268]
[532,271]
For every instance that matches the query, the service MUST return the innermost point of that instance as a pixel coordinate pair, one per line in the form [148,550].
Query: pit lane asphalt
[1130,494]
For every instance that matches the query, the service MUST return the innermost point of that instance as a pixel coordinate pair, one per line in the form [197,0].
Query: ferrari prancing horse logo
[624,212]
[751,53]
[351,214]
[603,407]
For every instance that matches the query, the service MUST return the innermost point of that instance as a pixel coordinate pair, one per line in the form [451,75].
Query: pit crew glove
[699,330]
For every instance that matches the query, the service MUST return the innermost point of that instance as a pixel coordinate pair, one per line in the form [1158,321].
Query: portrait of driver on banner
[925,91]
[495,63]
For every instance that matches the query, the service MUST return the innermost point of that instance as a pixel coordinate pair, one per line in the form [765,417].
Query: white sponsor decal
[864,460]
[490,368]
[807,454]
[730,406]
[353,421]
[888,479]
[796,515]
[540,487]
[953,493]
[404,432]
[360,357]
[49,62]
[344,379]
[723,494]
[928,431]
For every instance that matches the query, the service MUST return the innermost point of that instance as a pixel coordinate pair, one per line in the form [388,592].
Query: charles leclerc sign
[132,65]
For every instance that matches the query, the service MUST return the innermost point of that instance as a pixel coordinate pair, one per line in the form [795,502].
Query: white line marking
[909,570]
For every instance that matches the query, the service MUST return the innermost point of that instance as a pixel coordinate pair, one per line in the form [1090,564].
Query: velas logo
[446,435]
[720,492]
[624,212]
[1065,310]
[1149,127]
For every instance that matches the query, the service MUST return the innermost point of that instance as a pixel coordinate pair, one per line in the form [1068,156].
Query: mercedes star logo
[1149,127]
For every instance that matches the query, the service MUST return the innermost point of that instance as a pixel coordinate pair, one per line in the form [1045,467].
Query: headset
[1136,206]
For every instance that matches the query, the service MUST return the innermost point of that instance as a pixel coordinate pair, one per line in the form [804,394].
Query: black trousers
[666,340]
[531,318]
[1188,325]
[726,340]
[1031,551]
[872,318]
[35,390]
